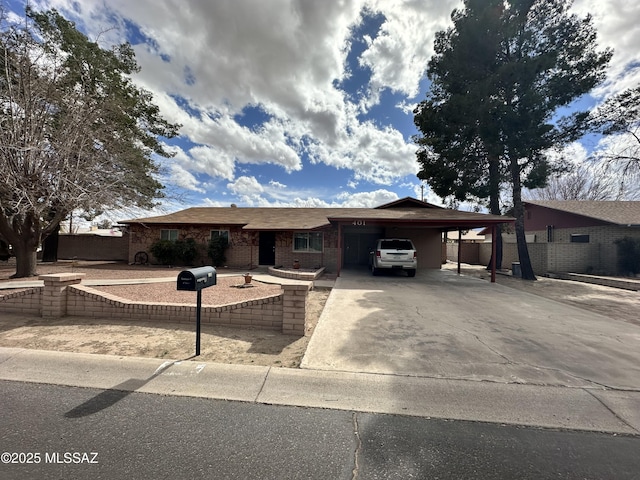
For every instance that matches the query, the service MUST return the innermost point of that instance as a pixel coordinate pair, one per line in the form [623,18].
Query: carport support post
[339,248]
[459,248]
[198,309]
[493,253]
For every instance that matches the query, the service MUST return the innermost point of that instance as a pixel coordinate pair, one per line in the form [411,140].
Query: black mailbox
[195,279]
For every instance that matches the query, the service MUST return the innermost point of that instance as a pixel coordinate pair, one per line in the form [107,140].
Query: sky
[301,102]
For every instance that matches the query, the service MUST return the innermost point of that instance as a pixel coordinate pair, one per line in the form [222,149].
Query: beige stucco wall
[93,247]
[428,243]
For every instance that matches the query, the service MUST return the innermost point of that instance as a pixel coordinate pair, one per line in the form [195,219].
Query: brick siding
[243,250]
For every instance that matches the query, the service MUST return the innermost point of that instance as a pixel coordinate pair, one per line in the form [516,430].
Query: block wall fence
[599,256]
[63,295]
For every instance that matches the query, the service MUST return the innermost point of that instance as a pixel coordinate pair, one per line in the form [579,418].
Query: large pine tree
[498,78]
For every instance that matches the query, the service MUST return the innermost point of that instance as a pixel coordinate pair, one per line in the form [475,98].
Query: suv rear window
[396,245]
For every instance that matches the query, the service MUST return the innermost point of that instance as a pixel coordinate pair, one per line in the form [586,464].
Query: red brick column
[54,295]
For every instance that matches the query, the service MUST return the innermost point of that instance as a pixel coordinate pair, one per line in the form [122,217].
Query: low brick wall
[599,280]
[27,301]
[266,312]
[302,274]
[285,312]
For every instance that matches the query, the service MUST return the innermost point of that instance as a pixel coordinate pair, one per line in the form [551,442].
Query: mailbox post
[195,280]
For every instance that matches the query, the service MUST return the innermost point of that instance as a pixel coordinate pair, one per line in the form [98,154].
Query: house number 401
[359,222]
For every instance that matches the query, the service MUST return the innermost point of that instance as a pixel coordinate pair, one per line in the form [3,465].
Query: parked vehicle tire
[411,273]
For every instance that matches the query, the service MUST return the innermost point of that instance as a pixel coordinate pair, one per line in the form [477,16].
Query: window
[579,238]
[396,245]
[308,242]
[171,235]
[220,233]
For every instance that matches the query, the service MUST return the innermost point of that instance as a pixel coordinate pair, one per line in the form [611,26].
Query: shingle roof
[267,218]
[617,212]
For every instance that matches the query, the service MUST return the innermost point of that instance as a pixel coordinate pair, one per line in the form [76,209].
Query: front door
[267,248]
[351,249]
[357,246]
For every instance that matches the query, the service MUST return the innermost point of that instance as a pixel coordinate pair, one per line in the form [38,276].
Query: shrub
[628,255]
[164,251]
[217,247]
[180,252]
[186,251]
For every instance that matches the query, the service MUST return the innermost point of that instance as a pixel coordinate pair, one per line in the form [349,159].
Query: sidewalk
[258,276]
[542,406]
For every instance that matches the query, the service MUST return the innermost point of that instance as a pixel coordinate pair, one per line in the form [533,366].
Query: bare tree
[75,132]
[584,182]
[619,119]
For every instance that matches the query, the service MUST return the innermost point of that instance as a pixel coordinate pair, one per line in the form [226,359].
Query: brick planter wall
[62,295]
[27,301]
[87,302]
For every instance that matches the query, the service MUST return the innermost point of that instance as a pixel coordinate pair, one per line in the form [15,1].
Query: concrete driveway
[442,325]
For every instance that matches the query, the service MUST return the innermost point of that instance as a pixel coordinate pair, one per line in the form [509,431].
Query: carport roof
[407,211]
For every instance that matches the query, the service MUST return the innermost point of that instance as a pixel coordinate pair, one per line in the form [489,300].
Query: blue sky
[300,102]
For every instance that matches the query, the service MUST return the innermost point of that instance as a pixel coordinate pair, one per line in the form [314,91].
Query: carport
[420,221]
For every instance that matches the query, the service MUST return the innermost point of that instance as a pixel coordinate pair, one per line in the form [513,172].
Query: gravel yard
[227,290]
[169,341]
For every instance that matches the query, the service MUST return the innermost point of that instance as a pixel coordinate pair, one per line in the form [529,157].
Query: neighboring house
[579,235]
[100,232]
[466,236]
[317,237]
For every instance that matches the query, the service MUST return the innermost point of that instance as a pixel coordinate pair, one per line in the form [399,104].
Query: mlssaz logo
[71,457]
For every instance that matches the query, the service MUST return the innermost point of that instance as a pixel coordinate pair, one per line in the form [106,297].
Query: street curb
[515,404]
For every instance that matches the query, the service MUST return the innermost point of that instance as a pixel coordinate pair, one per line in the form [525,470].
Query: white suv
[394,254]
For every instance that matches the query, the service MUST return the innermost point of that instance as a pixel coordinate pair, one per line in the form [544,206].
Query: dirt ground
[236,345]
[167,340]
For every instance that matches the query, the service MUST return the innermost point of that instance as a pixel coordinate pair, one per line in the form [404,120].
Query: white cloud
[249,192]
[205,62]
[182,178]
[622,146]
[246,187]
[398,56]
[366,199]
[213,161]
[285,56]
[376,155]
[616,22]
[407,107]
[575,154]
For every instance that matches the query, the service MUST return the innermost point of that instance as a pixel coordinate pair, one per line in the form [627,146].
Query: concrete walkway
[258,276]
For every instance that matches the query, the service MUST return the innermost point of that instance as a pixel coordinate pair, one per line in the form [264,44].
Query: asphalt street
[73,433]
